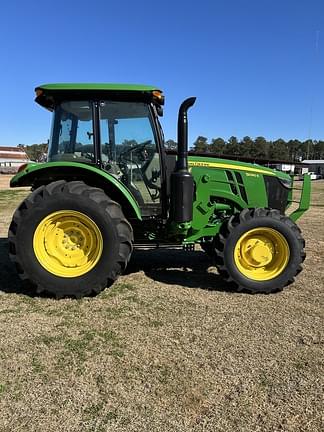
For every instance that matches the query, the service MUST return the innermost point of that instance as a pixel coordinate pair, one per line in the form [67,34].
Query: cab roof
[48,95]
[97,86]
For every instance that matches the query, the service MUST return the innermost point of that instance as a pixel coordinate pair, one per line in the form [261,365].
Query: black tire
[116,234]
[239,224]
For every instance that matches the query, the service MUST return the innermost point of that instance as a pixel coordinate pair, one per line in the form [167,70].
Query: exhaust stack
[182,185]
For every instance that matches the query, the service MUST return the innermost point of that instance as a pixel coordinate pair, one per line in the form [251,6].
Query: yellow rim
[261,254]
[68,243]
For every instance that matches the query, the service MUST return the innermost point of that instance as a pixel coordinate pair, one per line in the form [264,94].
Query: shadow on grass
[175,267]
[9,280]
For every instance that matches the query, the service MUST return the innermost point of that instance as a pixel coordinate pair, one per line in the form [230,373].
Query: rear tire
[259,250]
[69,239]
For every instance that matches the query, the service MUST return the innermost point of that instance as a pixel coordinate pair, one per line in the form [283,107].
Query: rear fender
[40,174]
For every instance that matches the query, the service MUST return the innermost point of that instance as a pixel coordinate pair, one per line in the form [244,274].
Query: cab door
[130,152]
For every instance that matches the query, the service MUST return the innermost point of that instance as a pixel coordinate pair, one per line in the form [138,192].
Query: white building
[12,157]
[285,167]
[316,166]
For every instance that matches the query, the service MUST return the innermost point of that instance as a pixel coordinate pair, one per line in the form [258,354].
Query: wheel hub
[68,243]
[261,253]
[258,252]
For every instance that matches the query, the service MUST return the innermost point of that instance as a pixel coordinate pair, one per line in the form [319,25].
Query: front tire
[259,250]
[69,239]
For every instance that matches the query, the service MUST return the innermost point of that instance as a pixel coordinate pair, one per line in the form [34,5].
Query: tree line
[258,148]
[293,150]
[35,152]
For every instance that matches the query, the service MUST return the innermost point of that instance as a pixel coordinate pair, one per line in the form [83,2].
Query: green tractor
[110,185]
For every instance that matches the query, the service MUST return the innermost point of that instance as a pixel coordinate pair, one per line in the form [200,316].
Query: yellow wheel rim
[68,243]
[261,254]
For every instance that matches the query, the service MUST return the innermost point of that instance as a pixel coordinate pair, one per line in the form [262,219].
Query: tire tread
[241,218]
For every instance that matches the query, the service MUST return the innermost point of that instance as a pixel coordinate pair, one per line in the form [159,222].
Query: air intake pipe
[182,185]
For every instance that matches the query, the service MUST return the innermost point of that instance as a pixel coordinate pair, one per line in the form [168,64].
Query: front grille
[277,193]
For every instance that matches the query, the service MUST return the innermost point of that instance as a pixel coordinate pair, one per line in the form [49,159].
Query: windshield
[72,134]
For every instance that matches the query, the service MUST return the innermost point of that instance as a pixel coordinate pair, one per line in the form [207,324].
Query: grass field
[167,348]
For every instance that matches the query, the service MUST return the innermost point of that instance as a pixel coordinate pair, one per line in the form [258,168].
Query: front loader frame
[304,201]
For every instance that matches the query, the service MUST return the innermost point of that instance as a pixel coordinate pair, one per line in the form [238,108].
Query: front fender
[37,174]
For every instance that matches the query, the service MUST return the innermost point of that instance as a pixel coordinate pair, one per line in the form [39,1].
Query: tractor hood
[210,162]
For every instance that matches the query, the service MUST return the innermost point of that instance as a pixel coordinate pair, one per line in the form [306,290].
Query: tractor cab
[113,131]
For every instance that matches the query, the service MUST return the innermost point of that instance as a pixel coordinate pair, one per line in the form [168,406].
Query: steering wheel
[138,148]
[124,157]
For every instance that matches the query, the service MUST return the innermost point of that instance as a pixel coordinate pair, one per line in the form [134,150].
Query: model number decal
[248,170]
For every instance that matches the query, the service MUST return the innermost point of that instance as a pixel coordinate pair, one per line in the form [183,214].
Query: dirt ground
[4,181]
[167,348]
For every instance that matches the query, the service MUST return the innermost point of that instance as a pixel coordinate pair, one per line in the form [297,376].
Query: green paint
[206,162]
[213,187]
[97,87]
[49,94]
[304,201]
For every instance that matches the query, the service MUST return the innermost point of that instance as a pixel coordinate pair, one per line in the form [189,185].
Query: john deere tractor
[110,185]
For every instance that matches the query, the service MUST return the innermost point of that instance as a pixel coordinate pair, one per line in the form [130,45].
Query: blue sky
[256,66]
